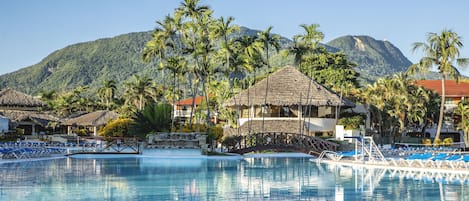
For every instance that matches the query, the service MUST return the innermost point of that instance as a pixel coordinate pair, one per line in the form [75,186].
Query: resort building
[91,122]
[183,109]
[294,104]
[24,112]
[455,92]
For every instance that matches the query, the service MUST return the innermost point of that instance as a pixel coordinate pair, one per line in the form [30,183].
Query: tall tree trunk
[266,91]
[173,111]
[194,92]
[466,140]
[204,86]
[442,109]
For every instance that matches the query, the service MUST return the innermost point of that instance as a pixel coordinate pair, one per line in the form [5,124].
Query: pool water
[149,178]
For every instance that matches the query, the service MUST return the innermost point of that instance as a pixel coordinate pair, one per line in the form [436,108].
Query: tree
[267,39]
[141,91]
[49,97]
[462,110]
[107,92]
[441,50]
[154,117]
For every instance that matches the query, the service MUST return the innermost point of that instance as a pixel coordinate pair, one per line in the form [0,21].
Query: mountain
[120,57]
[375,58]
[85,64]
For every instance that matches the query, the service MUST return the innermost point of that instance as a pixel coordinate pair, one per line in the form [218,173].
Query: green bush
[80,132]
[116,128]
[352,122]
[155,117]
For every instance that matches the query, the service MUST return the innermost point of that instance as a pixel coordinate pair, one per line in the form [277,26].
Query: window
[285,112]
[449,101]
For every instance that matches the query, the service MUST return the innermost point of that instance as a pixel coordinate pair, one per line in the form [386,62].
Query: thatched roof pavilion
[295,103]
[97,118]
[12,98]
[93,119]
[31,121]
[287,87]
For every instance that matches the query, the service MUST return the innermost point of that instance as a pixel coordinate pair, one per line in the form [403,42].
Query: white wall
[4,124]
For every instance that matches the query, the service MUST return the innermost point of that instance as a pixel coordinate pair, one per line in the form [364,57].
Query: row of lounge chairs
[27,152]
[433,160]
[45,144]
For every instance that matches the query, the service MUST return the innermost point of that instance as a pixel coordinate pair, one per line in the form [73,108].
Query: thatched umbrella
[93,119]
[12,98]
[287,87]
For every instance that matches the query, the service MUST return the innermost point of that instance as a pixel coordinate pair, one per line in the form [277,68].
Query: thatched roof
[13,98]
[40,118]
[253,126]
[97,118]
[288,86]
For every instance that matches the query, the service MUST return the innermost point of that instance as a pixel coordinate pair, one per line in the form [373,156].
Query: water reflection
[202,179]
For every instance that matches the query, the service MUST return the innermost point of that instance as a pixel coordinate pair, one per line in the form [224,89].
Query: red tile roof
[452,88]
[198,100]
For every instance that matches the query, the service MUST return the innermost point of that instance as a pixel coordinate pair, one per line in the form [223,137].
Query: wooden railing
[281,142]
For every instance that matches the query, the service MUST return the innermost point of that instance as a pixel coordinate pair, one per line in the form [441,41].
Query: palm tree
[306,45]
[267,39]
[222,29]
[152,118]
[440,50]
[192,9]
[312,35]
[139,92]
[198,43]
[463,111]
[49,97]
[298,50]
[107,92]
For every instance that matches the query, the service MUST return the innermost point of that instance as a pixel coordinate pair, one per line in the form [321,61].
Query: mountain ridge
[119,57]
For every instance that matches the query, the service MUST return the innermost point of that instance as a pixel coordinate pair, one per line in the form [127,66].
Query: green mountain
[85,64]
[375,58]
[120,57]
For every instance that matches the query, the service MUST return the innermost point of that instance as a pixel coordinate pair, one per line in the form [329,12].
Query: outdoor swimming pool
[148,178]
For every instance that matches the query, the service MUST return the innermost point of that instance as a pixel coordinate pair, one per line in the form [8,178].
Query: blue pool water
[149,178]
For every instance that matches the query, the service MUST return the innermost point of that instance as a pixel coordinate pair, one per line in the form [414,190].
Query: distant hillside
[84,64]
[120,57]
[375,58]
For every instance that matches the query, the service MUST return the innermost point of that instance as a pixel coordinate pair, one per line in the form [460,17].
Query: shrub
[80,132]
[447,141]
[154,117]
[116,128]
[352,122]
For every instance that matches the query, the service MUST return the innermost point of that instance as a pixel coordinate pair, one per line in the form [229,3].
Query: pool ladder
[365,145]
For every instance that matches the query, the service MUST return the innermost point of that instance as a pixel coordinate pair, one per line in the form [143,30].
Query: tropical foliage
[396,103]
[154,117]
[117,128]
[462,110]
[191,53]
[441,51]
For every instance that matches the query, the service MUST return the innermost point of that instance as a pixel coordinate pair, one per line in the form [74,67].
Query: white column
[33,129]
[95,131]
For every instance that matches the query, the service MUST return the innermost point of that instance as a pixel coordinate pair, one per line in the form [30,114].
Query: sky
[32,29]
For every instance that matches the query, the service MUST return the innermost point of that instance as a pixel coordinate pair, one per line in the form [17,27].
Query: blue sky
[32,29]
